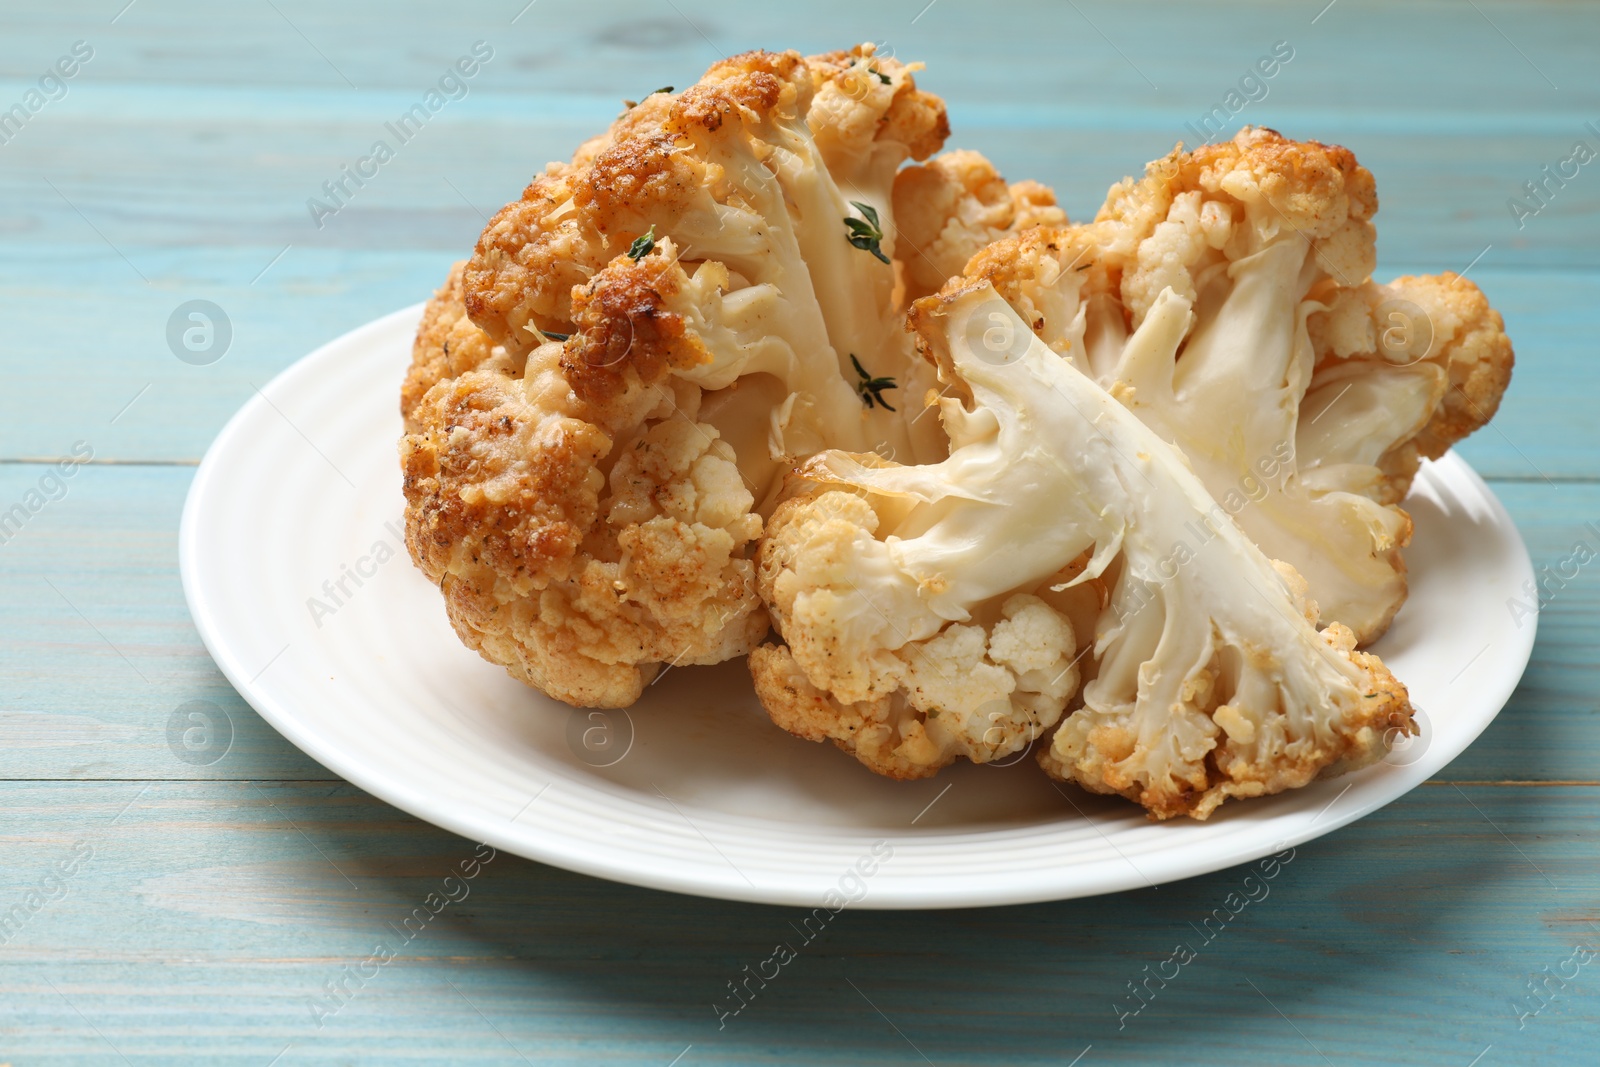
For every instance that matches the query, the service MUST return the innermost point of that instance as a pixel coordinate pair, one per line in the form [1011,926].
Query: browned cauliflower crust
[606,396]
[573,219]
[577,586]
[952,206]
[1434,333]
[448,344]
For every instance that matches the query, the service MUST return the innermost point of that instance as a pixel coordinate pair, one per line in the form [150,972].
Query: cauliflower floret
[448,344]
[872,666]
[1044,468]
[950,207]
[1258,236]
[604,400]
[576,592]
[1403,372]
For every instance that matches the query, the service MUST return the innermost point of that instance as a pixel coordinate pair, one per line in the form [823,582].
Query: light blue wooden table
[176,913]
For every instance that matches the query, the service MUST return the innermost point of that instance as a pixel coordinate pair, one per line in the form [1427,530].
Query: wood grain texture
[209,905]
[265,892]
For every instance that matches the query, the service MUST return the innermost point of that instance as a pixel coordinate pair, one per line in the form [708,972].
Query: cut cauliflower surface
[606,397]
[1297,410]
[1212,680]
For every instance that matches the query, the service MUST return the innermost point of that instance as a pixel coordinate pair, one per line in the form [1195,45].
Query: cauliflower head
[1211,679]
[604,399]
[1301,408]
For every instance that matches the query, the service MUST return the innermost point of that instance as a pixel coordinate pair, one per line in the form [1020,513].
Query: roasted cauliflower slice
[904,591]
[606,397]
[1298,420]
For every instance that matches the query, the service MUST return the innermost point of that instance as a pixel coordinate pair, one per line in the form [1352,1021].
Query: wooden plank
[74,707]
[163,174]
[212,911]
[162,194]
[1499,60]
[1554,706]
[210,915]
[100,653]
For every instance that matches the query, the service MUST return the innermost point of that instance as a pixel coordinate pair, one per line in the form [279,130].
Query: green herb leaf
[551,335]
[884,78]
[866,233]
[871,389]
[643,245]
[629,105]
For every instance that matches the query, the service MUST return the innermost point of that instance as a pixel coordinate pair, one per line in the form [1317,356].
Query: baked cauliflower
[913,600]
[900,668]
[1300,405]
[951,207]
[604,400]
[1403,371]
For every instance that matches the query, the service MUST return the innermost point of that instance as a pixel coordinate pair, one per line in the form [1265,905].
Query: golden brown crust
[527,261]
[955,205]
[914,118]
[507,510]
[624,335]
[491,476]
[1101,759]
[448,344]
[1318,190]
[1311,183]
[866,730]
[575,218]
[1476,354]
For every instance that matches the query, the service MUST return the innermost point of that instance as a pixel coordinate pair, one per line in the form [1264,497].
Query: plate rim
[1030,887]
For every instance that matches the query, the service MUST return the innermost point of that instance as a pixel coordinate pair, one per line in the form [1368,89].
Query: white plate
[710,798]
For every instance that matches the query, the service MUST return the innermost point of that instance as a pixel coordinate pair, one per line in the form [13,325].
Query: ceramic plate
[296,572]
